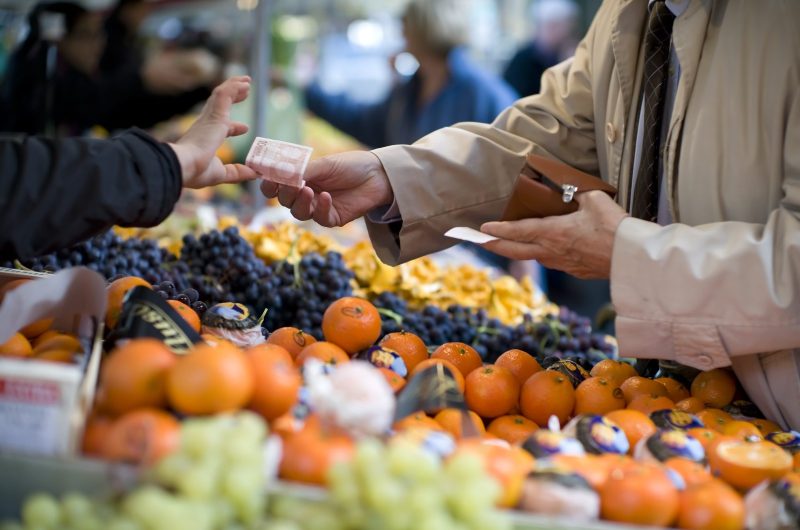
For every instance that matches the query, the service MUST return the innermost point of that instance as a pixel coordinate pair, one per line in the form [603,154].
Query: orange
[547,393]
[512,428]
[416,421]
[639,494]
[712,505]
[143,436]
[676,391]
[50,333]
[715,388]
[705,436]
[451,368]
[284,425]
[743,464]
[796,462]
[210,379]
[56,356]
[491,391]
[691,471]
[741,429]
[502,464]
[352,324]
[134,376]
[59,341]
[520,363]
[292,339]
[591,467]
[619,371]
[36,328]
[408,346]
[450,420]
[650,403]
[635,424]
[690,404]
[396,381]
[116,292]
[309,453]
[189,315]
[10,286]
[598,395]
[463,356]
[638,385]
[16,346]
[276,381]
[95,435]
[327,352]
[765,426]
[714,418]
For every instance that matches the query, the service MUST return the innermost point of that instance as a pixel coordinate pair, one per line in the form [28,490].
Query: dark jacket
[524,71]
[54,193]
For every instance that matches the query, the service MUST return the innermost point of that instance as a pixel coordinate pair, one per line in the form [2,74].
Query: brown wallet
[547,187]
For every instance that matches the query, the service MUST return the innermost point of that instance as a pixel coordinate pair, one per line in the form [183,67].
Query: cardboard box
[43,405]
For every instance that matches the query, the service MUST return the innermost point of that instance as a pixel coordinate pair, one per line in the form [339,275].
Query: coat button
[611,132]
[704,360]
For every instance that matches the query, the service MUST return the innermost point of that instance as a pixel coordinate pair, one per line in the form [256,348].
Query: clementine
[635,424]
[309,453]
[352,324]
[142,436]
[491,391]
[327,352]
[547,393]
[276,381]
[292,339]
[598,395]
[396,381]
[637,385]
[463,356]
[451,369]
[613,369]
[451,421]
[116,292]
[639,494]
[189,315]
[512,428]
[16,346]
[711,505]
[649,403]
[520,363]
[715,388]
[690,404]
[676,391]
[408,346]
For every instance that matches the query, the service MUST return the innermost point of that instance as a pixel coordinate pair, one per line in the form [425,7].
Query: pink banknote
[281,162]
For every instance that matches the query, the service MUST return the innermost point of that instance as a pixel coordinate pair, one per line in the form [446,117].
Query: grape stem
[391,314]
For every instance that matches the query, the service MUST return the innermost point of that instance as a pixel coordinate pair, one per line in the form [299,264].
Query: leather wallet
[547,187]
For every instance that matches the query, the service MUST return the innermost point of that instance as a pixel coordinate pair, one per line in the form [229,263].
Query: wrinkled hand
[196,150]
[339,189]
[580,243]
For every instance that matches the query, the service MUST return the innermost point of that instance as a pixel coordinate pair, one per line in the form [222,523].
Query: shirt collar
[678,7]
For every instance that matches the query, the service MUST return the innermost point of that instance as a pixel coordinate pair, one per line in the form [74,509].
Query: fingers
[269,189]
[287,195]
[303,206]
[324,213]
[514,249]
[238,173]
[237,128]
[232,91]
[523,230]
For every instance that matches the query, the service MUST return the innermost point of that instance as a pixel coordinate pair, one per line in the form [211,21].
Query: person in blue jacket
[446,89]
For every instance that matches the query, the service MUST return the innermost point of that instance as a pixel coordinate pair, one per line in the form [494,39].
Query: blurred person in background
[447,87]
[555,24]
[70,95]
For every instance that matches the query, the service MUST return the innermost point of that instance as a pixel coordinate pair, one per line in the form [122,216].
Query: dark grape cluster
[110,255]
[563,336]
[297,294]
[188,296]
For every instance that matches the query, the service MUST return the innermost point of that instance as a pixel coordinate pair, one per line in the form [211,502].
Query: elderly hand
[579,244]
[196,150]
[339,188]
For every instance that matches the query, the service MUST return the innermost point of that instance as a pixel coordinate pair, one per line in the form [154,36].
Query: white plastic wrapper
[354,396]
[242,338]
[465,233]
[280,162]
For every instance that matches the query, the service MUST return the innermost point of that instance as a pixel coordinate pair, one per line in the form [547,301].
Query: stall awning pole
[260,65]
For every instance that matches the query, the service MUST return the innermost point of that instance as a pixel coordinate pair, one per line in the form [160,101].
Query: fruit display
[404,415]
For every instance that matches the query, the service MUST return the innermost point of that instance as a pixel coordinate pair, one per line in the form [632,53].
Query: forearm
[701,295]
[57,193]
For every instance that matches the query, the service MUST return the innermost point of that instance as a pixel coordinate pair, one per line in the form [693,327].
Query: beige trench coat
[722,285]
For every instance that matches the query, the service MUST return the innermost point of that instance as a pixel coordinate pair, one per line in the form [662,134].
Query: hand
[176,72]
[580,243]
[196,150]
[339,189]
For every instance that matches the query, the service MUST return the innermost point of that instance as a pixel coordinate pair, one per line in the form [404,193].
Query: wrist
[184,160]
[379,175]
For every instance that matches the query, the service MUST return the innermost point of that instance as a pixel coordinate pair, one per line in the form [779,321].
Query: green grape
[41,511]
[369,455]
[244,487]
[223,512]
[494,519]
[201,437]
[200,481]
[472,498]
[122,523]
[280,524]
[243,451]
[171,468]
[464,468]
[423,501]
[383,493]
[285,507]
[320,517]
[250,427]
[76,508]
[440,520]
[411,462]
[342,486]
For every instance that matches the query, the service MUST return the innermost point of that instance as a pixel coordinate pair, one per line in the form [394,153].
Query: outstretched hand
[196,150]
[339,188]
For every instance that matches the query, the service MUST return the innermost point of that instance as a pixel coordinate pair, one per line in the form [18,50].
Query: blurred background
[332,74]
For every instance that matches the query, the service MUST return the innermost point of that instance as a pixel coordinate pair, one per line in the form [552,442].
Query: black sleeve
[54,193]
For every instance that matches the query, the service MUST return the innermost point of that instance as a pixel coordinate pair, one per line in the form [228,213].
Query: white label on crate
[29,414]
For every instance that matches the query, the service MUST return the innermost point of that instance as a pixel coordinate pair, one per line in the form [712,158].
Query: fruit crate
[43,405]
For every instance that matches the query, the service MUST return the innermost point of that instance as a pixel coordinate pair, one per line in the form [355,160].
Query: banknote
[277,161]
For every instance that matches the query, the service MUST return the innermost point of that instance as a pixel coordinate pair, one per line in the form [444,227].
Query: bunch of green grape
[215,481]
[397,487]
